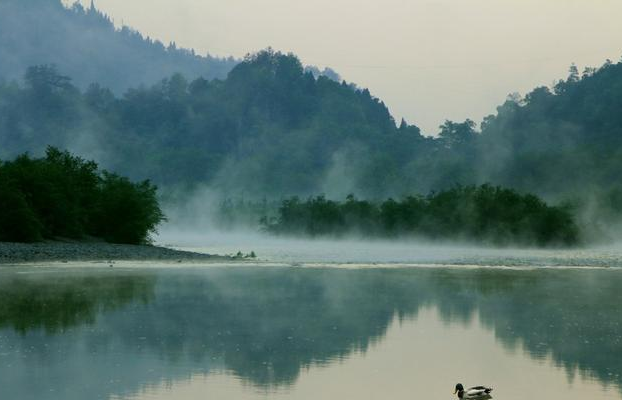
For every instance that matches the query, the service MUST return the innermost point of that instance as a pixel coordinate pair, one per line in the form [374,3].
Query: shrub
[126,212]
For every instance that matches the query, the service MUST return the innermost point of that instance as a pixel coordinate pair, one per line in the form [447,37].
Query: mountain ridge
[85,44]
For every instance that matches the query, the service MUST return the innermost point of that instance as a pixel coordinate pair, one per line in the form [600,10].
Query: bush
[126,212]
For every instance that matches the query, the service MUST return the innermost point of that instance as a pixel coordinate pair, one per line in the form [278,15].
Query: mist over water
[372,253]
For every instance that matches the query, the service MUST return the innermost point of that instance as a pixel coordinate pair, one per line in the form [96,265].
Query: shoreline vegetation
[64,196]
[273,129]
[481,215]
[61,208]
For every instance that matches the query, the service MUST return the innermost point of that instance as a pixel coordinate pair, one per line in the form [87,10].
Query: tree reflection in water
[132,330]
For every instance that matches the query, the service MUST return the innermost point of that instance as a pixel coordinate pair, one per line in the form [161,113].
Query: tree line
[476,214]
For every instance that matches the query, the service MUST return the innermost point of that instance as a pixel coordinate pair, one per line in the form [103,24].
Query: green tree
[65,196]
[126,212]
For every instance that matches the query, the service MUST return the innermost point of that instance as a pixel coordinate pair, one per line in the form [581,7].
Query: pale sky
[428,60]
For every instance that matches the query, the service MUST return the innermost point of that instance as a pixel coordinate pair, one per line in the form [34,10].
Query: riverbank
[12,253]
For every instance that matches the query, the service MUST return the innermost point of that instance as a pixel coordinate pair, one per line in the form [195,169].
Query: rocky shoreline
[14,253]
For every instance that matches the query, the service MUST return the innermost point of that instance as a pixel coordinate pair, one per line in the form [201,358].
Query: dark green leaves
[64,196]
[481,214]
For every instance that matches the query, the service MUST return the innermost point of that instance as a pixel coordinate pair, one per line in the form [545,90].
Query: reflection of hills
[268,325]
[265,325]
[572,315]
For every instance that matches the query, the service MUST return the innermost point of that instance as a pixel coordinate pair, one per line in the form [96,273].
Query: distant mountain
[84,44]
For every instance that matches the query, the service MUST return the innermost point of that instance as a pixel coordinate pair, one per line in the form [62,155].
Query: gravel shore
[12,253]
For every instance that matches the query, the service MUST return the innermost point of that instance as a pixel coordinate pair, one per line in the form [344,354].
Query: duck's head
[459,388]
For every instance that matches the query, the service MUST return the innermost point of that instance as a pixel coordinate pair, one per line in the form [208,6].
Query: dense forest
[64,196]
[85,44]
[484,214]
[273,129]
[270,127]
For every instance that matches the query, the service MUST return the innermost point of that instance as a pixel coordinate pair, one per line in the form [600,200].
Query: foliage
[534,143]
[62,195]
[270,128]
[273,129]
[17,221]
[483,214]
[126,212]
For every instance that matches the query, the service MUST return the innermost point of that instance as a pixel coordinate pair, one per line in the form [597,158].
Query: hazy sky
[429,60]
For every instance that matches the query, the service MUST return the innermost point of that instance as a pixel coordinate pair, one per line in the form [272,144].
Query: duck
[475,392]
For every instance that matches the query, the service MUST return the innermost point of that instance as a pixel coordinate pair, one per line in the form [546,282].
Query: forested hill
[85,45]
[567,138]
[269,128]
[273,129]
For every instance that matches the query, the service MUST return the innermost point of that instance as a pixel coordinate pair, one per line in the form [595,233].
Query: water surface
[314,330]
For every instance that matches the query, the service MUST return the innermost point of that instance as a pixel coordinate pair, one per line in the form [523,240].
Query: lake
[316,320]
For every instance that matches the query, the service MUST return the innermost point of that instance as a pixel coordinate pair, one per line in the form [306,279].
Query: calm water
[321,329]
